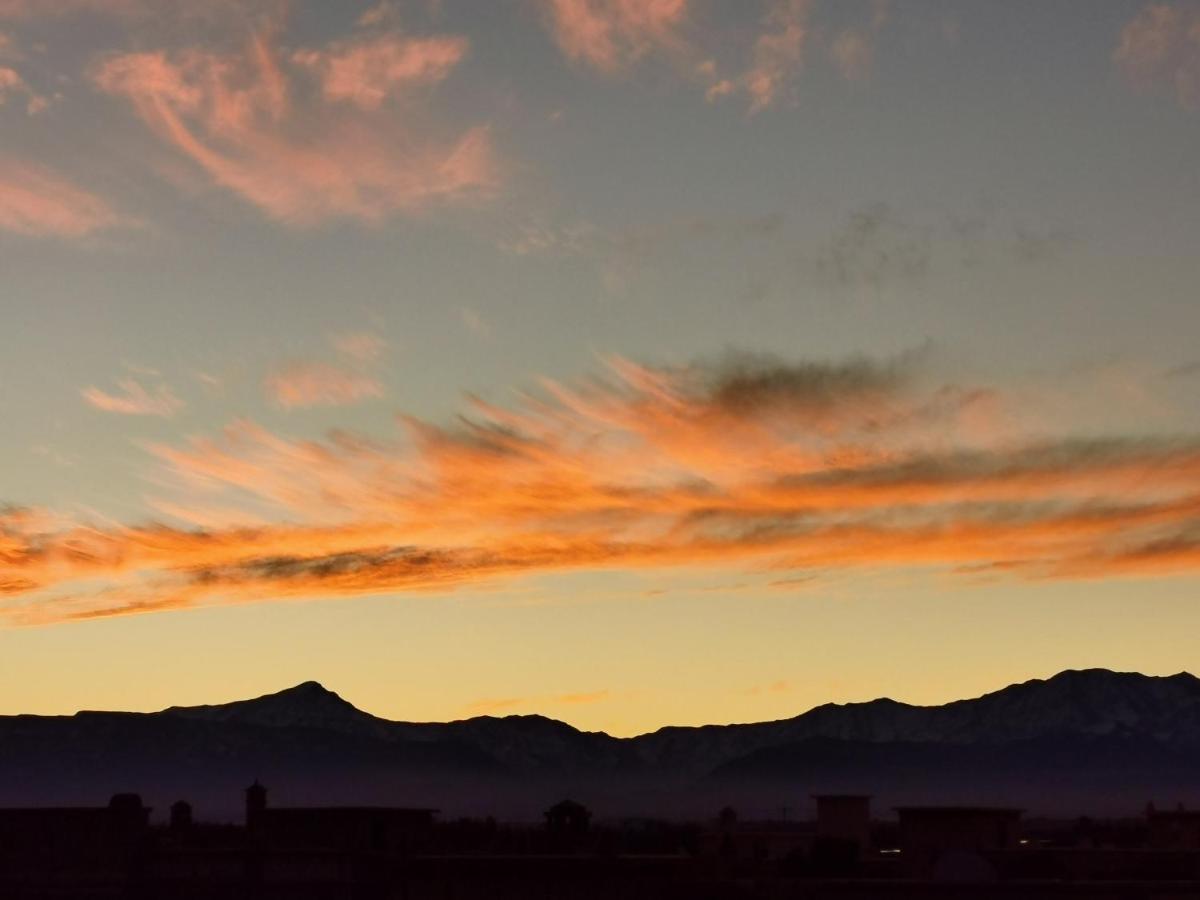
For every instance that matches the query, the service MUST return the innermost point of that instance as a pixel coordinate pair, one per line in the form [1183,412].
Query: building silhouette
[382,853]
[98,846]
[375,829]
[567,817]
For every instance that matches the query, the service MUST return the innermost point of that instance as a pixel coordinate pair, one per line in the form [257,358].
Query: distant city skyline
[632,363]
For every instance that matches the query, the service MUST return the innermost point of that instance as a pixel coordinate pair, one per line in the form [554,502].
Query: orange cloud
[9,81]
[775,687]
[250,124]
[319,384]
[611,34]
[793,470]
[37,202]
[1162,45]
[134,399]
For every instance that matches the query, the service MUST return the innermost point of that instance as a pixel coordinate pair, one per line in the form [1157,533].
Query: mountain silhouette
[307,705]
[1092,738]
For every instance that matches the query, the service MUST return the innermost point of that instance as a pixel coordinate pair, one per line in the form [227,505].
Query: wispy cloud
[254,126]
[792,469]
[852,50]
[474,322]
[778,52]
[319,384]
[612,34]
[786,41]
[13,85]
[39,202]
[133,399]
[365,72]
[361,346]
[877,246]
[873,247]
[1161,46]
[774,687]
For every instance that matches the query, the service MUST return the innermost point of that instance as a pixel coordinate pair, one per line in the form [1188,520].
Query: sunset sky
[633,362]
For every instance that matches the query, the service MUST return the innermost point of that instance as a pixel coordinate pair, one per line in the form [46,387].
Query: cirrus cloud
[251,124]
[134,400]
[38,202]
[362,346]
[319,384]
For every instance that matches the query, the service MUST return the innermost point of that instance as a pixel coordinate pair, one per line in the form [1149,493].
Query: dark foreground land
[355,821]
[296,853]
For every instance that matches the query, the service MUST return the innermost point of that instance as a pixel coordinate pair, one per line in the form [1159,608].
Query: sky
[631,362]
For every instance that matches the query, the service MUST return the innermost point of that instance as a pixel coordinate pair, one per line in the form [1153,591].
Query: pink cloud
[365,72]
[782,47]
[853,54]
[246,122]
[381,14]
[1162,45]
[37,202]
[12,84]
[134,399]
[778,52]
[319,384]
[611,34]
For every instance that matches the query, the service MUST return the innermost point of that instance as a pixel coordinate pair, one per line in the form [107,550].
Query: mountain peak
[312,689]
[1098,678]
[306,705]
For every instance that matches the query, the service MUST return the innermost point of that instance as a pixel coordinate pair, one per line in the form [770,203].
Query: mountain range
[1089,741]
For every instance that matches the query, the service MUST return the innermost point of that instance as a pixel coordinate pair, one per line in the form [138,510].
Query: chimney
[256,805]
